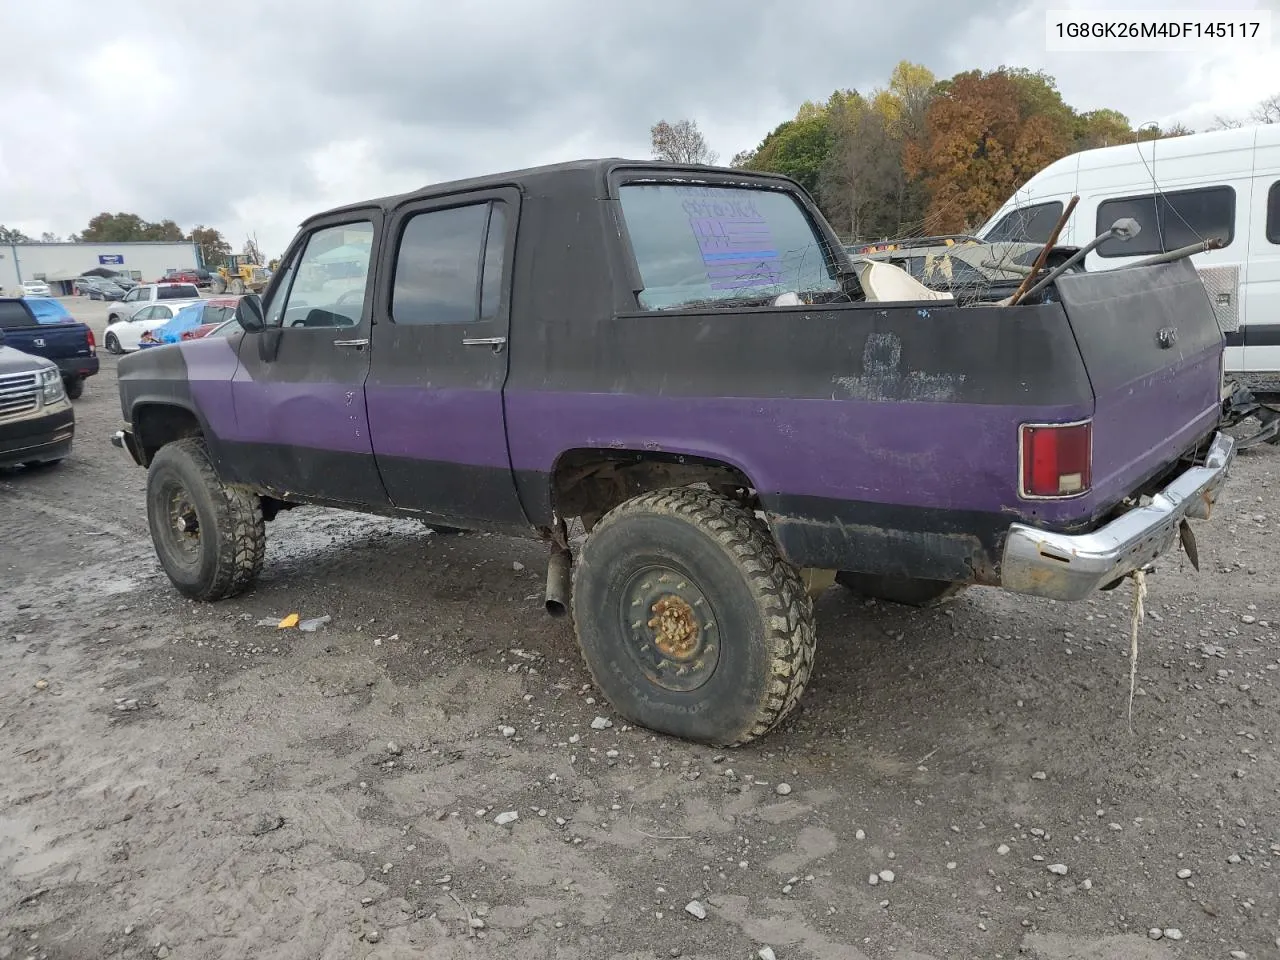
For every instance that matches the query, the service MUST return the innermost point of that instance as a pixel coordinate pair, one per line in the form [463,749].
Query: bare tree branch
[680,142]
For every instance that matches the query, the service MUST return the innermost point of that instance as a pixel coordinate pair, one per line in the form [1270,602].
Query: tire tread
[786,611]
[241,531]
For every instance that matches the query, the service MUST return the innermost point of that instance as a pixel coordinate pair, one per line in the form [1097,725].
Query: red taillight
[93,344]
[1056,459]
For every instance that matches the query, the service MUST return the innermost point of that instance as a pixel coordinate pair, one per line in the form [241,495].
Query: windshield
[697,244]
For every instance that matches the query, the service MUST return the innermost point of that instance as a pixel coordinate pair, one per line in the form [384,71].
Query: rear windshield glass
[700,245]
[179,291]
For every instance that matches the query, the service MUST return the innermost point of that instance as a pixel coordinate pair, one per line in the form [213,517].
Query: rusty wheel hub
[671,626]
[675,627]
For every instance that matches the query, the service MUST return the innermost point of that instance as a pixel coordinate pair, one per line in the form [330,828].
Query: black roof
[531,178]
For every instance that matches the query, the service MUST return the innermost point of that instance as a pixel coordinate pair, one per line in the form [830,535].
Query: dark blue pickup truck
[42,326]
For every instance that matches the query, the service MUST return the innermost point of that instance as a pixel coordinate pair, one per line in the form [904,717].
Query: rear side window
[179,291]
[703,245]
[217,314]
[13,315]
[1169,220]
[1033,224]
[449,266]
[1273,213]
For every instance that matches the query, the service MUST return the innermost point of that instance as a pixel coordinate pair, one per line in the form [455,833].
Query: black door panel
[439,360]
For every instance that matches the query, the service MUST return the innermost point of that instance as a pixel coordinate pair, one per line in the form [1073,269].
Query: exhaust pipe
[558,581]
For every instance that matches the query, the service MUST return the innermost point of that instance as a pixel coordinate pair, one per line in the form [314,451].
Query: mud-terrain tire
[74,387]
[909,591]
[221,556]
[671,555]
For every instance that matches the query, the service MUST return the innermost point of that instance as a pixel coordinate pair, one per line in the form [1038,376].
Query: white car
[122,336]
[35,288]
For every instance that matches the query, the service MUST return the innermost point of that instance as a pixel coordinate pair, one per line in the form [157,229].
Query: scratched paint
[883,378]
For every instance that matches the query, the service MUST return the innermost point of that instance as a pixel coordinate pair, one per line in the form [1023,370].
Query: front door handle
[496,342]
[351,343]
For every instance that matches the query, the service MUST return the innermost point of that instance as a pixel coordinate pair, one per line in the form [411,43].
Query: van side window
[1169,220]
[1032,224]
[1273,213]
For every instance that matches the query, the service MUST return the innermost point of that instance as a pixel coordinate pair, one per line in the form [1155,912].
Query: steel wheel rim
[181,522]
[670,628]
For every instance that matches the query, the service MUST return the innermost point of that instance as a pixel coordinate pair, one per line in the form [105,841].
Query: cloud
[251,123]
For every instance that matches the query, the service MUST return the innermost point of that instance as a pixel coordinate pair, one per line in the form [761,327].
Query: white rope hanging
[1139,595]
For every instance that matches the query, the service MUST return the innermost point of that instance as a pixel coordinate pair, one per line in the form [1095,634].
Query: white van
[1181,190]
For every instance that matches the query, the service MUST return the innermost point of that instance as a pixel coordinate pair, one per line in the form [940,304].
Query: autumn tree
[986,134]
[213,247]
[12,235]
[680,142]
[858,181]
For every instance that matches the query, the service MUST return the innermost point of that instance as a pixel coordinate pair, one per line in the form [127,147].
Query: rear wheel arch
[588,482]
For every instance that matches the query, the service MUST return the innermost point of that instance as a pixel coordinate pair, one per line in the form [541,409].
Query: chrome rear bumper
[1071,567]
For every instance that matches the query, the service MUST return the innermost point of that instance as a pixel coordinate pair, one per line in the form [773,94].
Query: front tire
[113,344]
[909,591]
[209,537]
[689,620]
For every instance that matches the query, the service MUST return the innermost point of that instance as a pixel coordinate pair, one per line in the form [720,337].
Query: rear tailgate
[1153,351]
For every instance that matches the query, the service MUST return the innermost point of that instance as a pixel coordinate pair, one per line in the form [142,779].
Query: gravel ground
[425,775]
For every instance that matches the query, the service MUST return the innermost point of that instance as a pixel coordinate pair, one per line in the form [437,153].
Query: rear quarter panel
[882,439]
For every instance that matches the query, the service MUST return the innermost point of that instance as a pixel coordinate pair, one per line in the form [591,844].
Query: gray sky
[147,106]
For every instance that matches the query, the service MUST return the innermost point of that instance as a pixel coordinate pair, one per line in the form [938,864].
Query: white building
[57,264]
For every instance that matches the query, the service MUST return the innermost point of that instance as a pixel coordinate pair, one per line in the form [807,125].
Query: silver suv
[150,293]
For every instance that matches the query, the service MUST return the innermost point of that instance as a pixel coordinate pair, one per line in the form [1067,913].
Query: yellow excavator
[239,275]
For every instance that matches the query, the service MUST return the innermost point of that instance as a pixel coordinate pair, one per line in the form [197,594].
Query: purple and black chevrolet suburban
[686,360]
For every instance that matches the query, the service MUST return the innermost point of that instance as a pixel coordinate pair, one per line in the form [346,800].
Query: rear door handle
[351,343]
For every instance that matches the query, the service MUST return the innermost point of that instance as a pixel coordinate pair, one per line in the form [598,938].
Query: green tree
[129,228]
[213,246]
[1101,128]
[12,235]
[796,148]
[164,230]
[114,228]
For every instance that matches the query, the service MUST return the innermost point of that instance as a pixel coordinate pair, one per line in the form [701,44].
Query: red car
[181,276]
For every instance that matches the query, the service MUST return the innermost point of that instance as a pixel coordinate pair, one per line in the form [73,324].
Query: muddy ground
[178,781]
